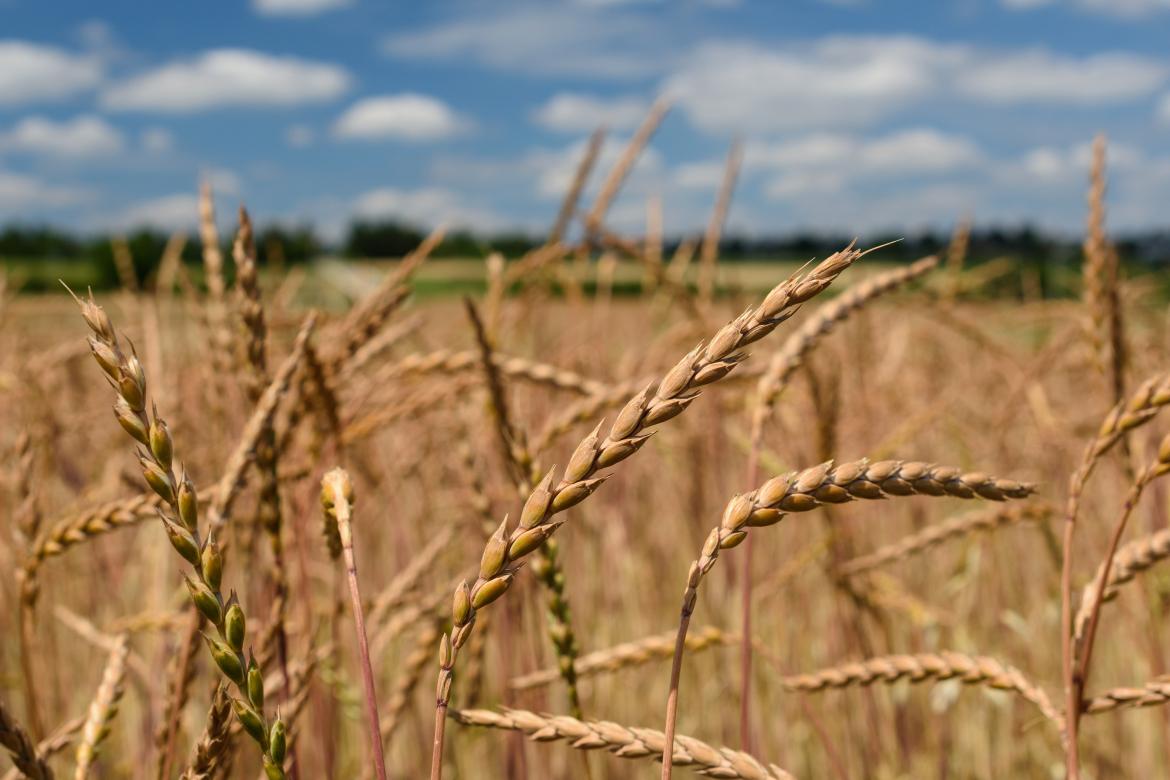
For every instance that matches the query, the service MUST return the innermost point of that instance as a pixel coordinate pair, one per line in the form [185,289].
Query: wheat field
[861,522]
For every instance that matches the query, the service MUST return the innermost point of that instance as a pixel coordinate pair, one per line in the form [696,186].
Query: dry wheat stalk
[990,519]
[709,251]
[55,743]
[181,520]
[102,709]
[624,742]
[337,502]
[1141,407]
[573,194]
[20,748]
[957,257]
[943,665]
[792,354]
[211,745]
[446,361]
[179,678]
[621,169]
[1153,694]
[802,491]
[642,651]
[525,474]
[657,403]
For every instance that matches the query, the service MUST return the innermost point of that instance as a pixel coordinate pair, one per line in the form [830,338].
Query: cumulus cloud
[229,78]
[426,205]
[297,7]
[406,117]
[853,81]
[20,192]
[569,112]
[78,138]
[168,213]
[31,73]
[1043,77]
[544,40]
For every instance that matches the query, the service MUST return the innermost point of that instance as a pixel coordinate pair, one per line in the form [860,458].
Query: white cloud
[223,181]
[299,136]
[1043,77]
[19,192]
[407,117]
[81,137]
[32,73]
[297,7]
[1162,111]
[157,140]
[1120,8]
[425,206]
[168,213]
[828,162]
[545,40]
[569,112]
[229,77]
[743,87]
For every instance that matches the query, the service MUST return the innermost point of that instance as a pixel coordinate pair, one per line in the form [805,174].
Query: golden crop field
[851,519]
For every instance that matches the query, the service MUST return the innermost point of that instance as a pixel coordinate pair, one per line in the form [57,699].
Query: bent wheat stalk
[1141,407]
[624,742]
[657,403]
[932,667]
[802,491]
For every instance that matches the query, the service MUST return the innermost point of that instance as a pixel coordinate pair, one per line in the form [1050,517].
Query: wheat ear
[1088,616]
[102,709]
[180,676]
[337,501]
[657,403]
[20,748]
[797,346]
[945,665]
[577,186]
[62,737]
[627,655]
[211,745]
[624,742]
[1153,694]
[806,490]
[181,523]
[1128,415]
[957,258]
[985,521]
[621,169]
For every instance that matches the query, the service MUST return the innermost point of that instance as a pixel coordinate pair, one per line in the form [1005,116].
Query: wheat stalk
[1128,415]
[798,345]
[1153,694]
[627,655]
[337,501]
[803,491]
[214,741]
[923,667]
[709,251]
[20,748]
[156,457]
[102,709]
[657,403]
[916,543]
[624,742]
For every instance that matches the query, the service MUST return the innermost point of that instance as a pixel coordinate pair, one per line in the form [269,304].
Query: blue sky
[855,115]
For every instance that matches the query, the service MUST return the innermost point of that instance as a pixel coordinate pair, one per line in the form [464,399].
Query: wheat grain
[624,742]
[214,740]
[20,747]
